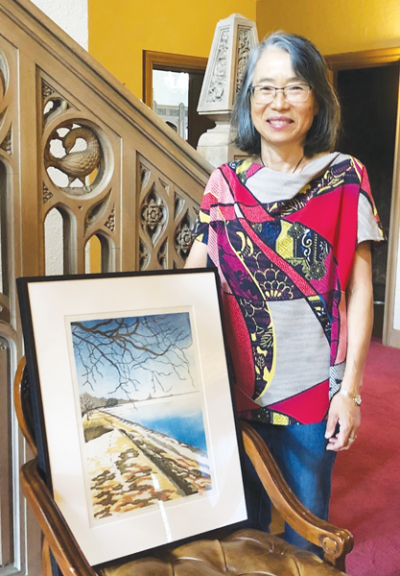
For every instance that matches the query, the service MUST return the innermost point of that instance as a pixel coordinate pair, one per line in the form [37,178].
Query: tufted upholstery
[243,553]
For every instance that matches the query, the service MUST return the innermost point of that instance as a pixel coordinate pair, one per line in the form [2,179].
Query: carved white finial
[233,39]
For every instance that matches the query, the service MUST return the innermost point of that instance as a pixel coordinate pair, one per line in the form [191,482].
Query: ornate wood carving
[154,215]
[167,216]
[5,120]
[179,204]
[110,222]
[53,102]
[47,195]
[183,237]
[219,75]
[4,76]
[97,211]
[244,47]
[47,91]
[233,38]
[76,165]
[7,142]
[74,140]
[144,256]
[162,255]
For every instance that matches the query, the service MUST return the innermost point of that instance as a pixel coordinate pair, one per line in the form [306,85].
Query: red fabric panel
[241,354]
[314,214]
[255,213]
[243,402]
[308,407]
[342,341]
[344,250]
[250,207]
[227,212]
[342,206]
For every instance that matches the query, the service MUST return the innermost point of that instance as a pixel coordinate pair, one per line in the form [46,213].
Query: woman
[289,230]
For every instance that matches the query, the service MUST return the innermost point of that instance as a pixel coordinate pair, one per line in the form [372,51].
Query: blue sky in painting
[154,357]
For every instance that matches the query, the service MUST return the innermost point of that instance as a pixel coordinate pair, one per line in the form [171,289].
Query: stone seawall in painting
[131,466]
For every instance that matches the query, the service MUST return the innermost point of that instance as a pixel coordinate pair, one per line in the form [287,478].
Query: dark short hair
[308,63]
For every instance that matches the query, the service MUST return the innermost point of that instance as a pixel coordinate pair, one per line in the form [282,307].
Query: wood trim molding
[363,59]
[164,61]
[391,337]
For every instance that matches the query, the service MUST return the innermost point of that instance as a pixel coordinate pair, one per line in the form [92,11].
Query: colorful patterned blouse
[284,246]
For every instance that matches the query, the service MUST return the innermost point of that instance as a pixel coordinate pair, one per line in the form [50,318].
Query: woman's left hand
[345,413]
[343,410]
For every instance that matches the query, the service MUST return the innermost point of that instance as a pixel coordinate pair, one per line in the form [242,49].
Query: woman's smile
[280,123]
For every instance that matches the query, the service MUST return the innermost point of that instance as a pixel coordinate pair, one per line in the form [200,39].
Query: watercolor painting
[141,411]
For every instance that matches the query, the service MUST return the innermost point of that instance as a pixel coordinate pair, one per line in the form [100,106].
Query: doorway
[354,62]
[368,98]
[194,67]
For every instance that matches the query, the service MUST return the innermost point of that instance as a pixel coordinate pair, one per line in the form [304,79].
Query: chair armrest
[64,547]
[335,542]
[21,402]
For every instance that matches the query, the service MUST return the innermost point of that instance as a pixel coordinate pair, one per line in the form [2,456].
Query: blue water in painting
[188,430]
[180,417]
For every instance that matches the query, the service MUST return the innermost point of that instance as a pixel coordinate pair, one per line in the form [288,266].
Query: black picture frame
[49,306]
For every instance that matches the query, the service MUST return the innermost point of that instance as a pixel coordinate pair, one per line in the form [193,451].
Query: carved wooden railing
[76,144]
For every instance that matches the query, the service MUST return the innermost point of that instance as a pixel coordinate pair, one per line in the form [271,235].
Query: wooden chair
[242,551]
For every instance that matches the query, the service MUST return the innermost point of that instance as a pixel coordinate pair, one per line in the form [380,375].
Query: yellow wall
[335,26]
[119,31]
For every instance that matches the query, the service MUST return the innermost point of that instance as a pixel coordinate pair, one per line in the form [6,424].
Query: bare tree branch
[131,347]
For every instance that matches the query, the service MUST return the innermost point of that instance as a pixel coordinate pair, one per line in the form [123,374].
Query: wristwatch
[355,397]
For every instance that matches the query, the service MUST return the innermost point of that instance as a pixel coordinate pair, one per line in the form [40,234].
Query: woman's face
[281,123]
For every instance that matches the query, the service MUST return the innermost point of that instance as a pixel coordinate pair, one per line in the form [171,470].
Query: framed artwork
[134,402]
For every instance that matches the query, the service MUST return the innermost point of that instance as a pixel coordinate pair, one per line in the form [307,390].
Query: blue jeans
[300,452]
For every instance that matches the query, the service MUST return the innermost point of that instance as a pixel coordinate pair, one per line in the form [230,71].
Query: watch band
[355,397]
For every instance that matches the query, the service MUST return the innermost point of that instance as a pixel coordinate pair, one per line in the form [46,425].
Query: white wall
[70,15]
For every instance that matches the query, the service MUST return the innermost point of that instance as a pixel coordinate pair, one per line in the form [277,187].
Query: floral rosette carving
[184,239]
[153,214]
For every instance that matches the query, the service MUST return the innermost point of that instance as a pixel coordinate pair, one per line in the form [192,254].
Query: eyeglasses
[294,93]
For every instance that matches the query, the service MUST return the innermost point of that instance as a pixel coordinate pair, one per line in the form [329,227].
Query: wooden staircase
[76,143]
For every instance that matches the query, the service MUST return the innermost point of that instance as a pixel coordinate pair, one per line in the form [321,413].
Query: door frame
[165,61]
[371,59]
